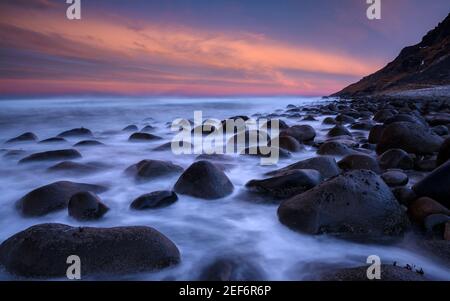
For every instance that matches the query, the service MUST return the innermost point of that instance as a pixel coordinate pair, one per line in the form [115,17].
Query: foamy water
[201,229]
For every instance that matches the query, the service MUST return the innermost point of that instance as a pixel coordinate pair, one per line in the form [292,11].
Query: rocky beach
[359,177]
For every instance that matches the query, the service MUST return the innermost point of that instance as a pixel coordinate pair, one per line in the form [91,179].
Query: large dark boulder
[444,153]
[436,185]
[231,268]
[79,132]
[410,137]
[396,158]
[335,148]
[63,154]
[204,180]
[154,200]
[42,250]
[287,185]
[289,143]
[23,138]
[356,205]
[302,133]
[339,130]
[75,168]
[151,169]
[423,207]
[327,166]
[359,161]
[86,205]
[143,137]
[375,134]
[52,197]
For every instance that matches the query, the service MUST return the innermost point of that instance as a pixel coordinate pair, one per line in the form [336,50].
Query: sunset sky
[202,47]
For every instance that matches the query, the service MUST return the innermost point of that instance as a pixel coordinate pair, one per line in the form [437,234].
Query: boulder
[74,168]
[56,155]
[287,185]
[394,178]
[88,143]
[339,130]
[300,132]
[79,132]
[290,144]
[143,137]
[410,137]
[396,158]
[43,250]
[232,268]
[335,148]
[23,138]
[130,128]
[436,185]
[151,169]
[52,197]
[419,209]
[154,200]
[444,153]
[375,134]
[327,167]
[356,205]
[204,180]
[53,140]
[86,205]
[359,161]
[404,195]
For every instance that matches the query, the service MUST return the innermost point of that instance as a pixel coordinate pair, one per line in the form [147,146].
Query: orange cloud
[159,59]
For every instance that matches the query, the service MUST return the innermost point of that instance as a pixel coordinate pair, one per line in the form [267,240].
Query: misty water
[202,230]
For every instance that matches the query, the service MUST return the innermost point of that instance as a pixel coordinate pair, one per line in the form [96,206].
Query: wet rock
[42,250]
[266,152]
[300,132]
[376,133]
[88,143]
[334,148]
[290,144]
[63,154]
[151,169]
[444,153]
[357,205]
[388,273]
[396,158]
[436,185]
[52,197]
[423,207]
[440,130]
[80,132]
[425,164]
[233,268]
[345,119]
[329,121]
[23,138]
[435,224]
[154,200]
[247,139]
[147,128]
[405,118]
[327,167]
[394,178]
[168,146]
[14,153]
[383,115]
[204,180]
[86,205]
[339,130]
[404,195]
[53,140]
[362,125]
[309,118]
[143,137]
[130,128]
[357,161]
[287,185]
[411,137]
[270,123]
[69,167]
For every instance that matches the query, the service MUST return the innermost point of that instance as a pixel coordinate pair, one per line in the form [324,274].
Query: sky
[202,47]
